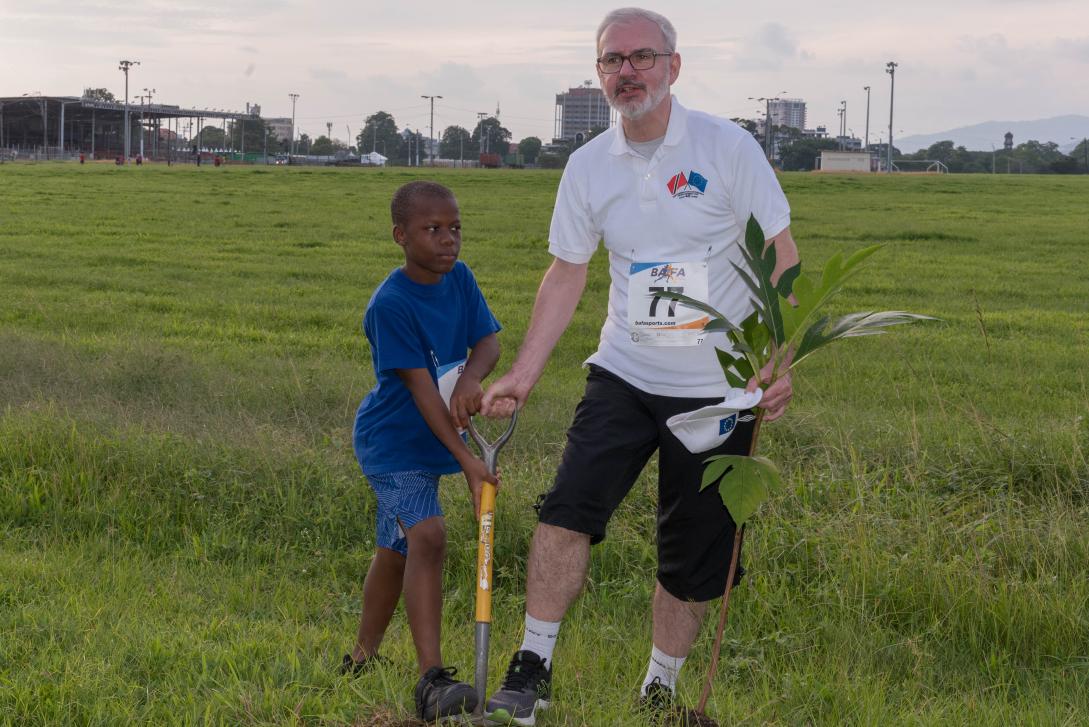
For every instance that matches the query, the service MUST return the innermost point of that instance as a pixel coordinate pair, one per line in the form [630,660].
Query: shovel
[489,453]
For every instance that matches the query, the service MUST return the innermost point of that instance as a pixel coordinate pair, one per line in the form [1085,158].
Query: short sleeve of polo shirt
[481,321]
[394,342]
[573,237]
[756,189]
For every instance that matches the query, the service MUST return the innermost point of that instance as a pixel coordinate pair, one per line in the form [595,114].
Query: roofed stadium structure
[51,127]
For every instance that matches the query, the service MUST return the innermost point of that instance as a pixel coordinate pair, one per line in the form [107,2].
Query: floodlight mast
[124,66]
[147,95]
[431,141]
[294,98]
[867,90]
[890,68]
[842,111]
[481,143]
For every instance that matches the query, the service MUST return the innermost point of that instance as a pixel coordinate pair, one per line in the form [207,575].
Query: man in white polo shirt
[669,192]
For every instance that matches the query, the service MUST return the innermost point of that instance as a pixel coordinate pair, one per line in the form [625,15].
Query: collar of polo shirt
[675,131]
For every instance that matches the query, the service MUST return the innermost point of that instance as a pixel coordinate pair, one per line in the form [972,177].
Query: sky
[960,61]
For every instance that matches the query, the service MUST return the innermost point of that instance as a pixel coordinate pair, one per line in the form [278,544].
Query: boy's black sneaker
[438,694]
[660,708]
[526,688]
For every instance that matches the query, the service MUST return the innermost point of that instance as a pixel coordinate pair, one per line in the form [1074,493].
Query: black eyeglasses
[641,60]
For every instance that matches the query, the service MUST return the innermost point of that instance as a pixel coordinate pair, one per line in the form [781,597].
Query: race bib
[659,321]
[448,378]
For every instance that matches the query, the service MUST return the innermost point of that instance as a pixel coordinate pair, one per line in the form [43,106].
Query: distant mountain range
[980,137]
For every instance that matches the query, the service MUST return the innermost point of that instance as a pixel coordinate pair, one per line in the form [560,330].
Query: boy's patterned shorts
[404,499]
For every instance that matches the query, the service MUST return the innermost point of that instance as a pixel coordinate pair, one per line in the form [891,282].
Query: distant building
[580,110]
[821,132]
[787,112]
[281,128]
[849,143]
[1008,144]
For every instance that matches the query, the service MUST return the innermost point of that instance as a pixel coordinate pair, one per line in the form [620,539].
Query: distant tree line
[1031,157]
[797,153]
[381,134]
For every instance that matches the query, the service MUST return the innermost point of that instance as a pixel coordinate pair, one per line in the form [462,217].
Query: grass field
[184,530]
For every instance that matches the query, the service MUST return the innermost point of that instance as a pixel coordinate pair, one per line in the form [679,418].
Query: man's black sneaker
[438,694]
[526,688]
[351,667]
[660,708]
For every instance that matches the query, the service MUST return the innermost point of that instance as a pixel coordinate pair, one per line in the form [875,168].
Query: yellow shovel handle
[484,554]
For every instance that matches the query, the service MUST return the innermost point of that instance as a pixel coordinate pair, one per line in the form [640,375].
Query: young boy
[421,322]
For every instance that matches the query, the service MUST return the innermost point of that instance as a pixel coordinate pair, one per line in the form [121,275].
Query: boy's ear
[399,235]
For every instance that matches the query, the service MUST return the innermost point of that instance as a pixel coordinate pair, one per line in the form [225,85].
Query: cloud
[994,48]
[770,48]
[1074,48]
[453,79]
[326,74]
[778,40]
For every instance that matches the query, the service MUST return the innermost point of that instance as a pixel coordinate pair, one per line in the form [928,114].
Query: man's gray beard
[636,110]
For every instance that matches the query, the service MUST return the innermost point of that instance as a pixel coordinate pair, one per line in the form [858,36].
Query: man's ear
[674,67]
[399,235]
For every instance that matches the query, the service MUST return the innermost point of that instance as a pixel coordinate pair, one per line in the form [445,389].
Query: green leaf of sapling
[745,483]
[716,468]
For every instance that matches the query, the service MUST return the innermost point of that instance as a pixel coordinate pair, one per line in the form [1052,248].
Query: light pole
[148,92]
[124,67]
[431,142]
[890,68]
[842,111]
[867,90]
[480,116]
[294,97]
[767,120]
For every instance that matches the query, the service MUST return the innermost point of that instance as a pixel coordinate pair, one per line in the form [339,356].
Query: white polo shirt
[686,208]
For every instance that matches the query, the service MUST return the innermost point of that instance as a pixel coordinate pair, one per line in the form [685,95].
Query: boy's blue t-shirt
[413,326]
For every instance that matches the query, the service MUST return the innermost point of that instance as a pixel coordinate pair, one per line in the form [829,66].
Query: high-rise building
[787,112]
[580,110]
[280,127]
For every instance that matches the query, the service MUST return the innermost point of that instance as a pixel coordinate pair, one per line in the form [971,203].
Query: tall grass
[183,529]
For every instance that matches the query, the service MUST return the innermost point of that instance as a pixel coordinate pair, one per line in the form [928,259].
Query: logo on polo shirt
[692,185]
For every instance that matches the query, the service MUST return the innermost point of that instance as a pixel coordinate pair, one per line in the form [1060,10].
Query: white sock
[540,637]
[664,668]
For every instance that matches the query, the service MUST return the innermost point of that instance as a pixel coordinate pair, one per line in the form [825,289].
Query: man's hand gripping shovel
[489,452]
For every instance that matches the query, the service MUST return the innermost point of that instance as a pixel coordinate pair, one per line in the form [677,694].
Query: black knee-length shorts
[616,429]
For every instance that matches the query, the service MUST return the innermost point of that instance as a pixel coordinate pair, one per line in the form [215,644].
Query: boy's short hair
[400,207]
